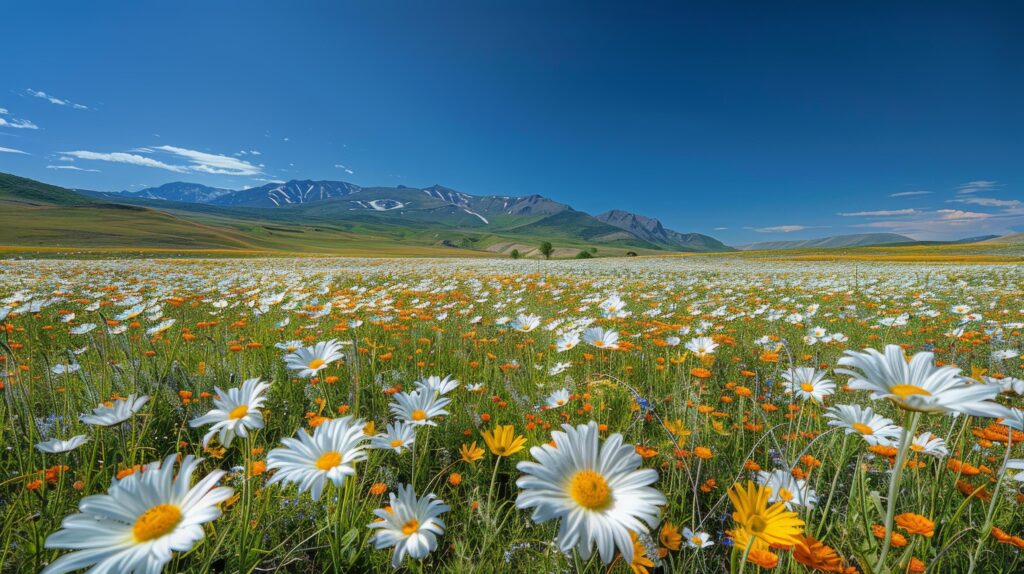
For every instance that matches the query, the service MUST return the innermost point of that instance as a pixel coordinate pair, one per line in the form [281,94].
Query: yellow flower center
[316,363]
[156,522]
[328,460]
[560,402]
[397,443]
[238,412]
[599,343]
[916,448]
[419,415]
[807,387]
[697,541]
[785,495]
[292,349]
[904,391]
[863,428]
[757,524]
[590,490]
[410,527]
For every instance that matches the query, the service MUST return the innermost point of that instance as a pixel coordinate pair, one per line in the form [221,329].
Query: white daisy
[417,408]
[557,399]
[808,383]
[142,520]
[115,412]
[329,454]
[289,346]
[55,446]
[412,526]
[918,385]
[558,368]
[525,323]
[238,410]
[696,539]
[600,338]
[875,429]
[437,385]
[399,437]
[787,489]
[308,361]
[927,443]
[701,346]
[567,341]
[599,492]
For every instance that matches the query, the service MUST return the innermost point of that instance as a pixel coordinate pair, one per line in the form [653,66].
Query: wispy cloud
[55,100]
[347,170]
[977,185]
[721,228]
[881,213]
[781,228]
[15,122]
[128,158]
[987,201]
[199,162]
[12,150]
[203,162]
[957,214]
[71,167]
[909,193]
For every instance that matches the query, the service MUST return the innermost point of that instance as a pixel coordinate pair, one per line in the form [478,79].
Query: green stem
[910,421]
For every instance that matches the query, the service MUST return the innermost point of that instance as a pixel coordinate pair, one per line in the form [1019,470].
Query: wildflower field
[703,414]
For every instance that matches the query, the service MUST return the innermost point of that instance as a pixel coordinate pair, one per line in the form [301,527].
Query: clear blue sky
[747,121]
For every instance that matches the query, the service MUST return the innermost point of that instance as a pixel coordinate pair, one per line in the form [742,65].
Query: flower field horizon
[686,414]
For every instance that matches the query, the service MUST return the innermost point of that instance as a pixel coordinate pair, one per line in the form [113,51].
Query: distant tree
[546,248]
[514,254]
[584,255]
[631,254]
[593,250]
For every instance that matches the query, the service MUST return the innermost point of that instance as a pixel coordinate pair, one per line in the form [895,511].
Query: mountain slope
[182,191]
[289,193]
[1011,239]
[854,240]
[651,230]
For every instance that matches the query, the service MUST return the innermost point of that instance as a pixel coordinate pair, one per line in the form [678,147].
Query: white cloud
[347,170]
[977,185]
[15,123]
[958,214]
[910,193]
[721,228]
[129,158]
[780,229]
[203,162]
[54,100]
[71,167]
[12,150]
[882,213]
[987,201]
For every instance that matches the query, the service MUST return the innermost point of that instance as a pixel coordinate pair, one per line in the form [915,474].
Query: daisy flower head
[557,399]
[808,383]
[237,411]
[436,385]
[329,454]
[787,489]
[697,539]
[418,408]
[769,523]
[399,437]
[918,385]
[525,323]
[612,305]
[875,429]
[701,346]
[503,440]
[411,526]
[56,446]
[290,346]
[115,412]
[308,361]
[929,444]
[601,338]
[598,491]
[567,342]
[141,521]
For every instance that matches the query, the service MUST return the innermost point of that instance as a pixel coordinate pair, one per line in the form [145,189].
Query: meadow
[677,414]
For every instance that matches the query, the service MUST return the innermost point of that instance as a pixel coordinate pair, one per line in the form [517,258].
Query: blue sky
[748,121]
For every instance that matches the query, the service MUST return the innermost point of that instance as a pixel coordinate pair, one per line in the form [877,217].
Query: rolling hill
[650,229]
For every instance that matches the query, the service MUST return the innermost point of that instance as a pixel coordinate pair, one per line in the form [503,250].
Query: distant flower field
[643,415]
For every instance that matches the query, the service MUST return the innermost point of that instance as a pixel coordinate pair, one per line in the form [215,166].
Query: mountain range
[335,216]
